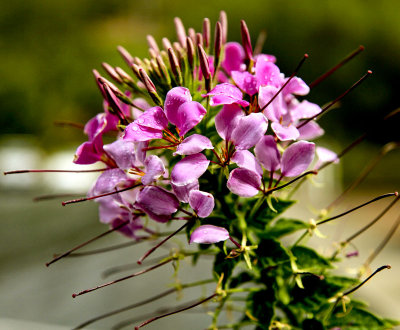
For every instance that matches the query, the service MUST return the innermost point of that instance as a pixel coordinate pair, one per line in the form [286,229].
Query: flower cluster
[212,135]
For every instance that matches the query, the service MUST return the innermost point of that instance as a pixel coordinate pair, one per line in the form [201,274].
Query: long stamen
[83,199]
[326,108]
[69,123]
[55,171]
[337,66]
[161,243]
[122,279]
[52,196]
[382,244]
[87,242]
[305,56]
[385,149]
[357,207]
[290,182]
[177,311]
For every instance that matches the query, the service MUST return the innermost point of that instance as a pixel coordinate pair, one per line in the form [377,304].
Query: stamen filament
[177,311]
[83,199]
[337,66]
[55,171]
[87,242]
[290,182]
[161,243]
[305,56]
[122,279]
[327,107]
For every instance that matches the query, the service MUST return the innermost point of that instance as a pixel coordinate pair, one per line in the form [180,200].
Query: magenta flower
[296,158]
[189,169]
[193,144]
[201,202]
[226,94]
[209,234]
[244,182]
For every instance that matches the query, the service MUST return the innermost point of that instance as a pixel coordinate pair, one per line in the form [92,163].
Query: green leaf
[261,306]
[271,253]
[224,265]
[308,259]
[259,216]
[284,226]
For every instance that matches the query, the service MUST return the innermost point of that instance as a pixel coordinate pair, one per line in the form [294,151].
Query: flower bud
[246,41]
[205,69]
[152,43]
[224,24]
[166,43]
[206,33]
[125,55]
[180,31]
[176,70]
[111,72]
[217,46]
[151,89]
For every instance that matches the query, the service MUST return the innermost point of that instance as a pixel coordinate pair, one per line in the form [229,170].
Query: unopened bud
[206,33]
[166,44]
[151,89]
[246,40]
[111,72]
[205,69]
[223,19]
[113,101]
[137,61]
[125,55]
[180,31]
[152,43]
[199,39]
[163,70]
[135,69]
[217,46]
[115,91]
[176,46]
[99,85]
[176,70]
[190,52]
[152,53]
[155,68]
[192,35]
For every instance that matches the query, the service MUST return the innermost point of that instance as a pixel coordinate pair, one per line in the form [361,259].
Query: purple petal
[227,119]
[234,57]
[189,114]
[189,169]
[245,159]
[157,202]
[267,73]
[122,152]
[153,118]
[226,94]
[201,202]
[173,100]
[244,182]
[136,133]
[325,156]
[268,154]
[89,152]
[304,109]
[277,108]
[154,169]
[209,234]
[140,150]
[249,131]
[130,229]
[193,144]
[310,131]
[265,57]
[297,157]
[182,190]
[245,81]
[285,133]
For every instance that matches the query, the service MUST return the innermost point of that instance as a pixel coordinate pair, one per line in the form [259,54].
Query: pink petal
[245,159]
[173,100]
[227,119]
[108,181]
[285,133]
[182,190]
[130,229]
[265,57]
[189,169]
[244,182]
[140,150]
[201,202]
[297,157]
[234,57]
[276,109]
[136,133]
[245,81]
[267,73]
[153,118]
[268,154]
[249,131]
[154,169]
[226,94]
[89,152]
[209,234]
[122,152]
[304,109]
[157,202]
[296,86]
[189,114]
[310,131]
[193,144]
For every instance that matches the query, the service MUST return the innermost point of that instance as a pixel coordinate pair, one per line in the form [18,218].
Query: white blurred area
[22,153]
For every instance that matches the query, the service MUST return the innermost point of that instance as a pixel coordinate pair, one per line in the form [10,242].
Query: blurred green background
[48,49]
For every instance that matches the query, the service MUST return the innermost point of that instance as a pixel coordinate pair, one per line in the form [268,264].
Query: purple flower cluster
[236,112]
